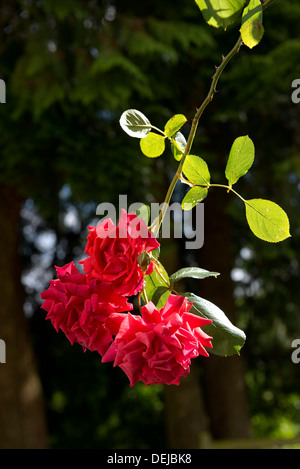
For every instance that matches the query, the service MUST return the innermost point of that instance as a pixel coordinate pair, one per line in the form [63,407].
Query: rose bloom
[80,308]
[158,346]
[113,253]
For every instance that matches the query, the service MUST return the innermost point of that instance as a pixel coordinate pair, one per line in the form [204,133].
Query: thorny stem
[194,127]
[195,122]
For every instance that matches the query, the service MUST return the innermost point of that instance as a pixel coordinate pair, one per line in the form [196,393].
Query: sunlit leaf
[144,213]
[135,123]
[153,145]
[193,197]
[240,159]
[252,29]
[178,145]
[220,13]
[196,170]
[174,124]
[267,220]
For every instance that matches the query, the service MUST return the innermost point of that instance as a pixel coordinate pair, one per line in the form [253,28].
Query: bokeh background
[71,69]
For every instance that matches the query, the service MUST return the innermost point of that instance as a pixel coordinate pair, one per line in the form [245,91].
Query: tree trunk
[186,418]
[22,417]
[223,377]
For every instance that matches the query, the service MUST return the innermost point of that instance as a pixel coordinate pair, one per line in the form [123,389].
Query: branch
[195,122]
[193,130]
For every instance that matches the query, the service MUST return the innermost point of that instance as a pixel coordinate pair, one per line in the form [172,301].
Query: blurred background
[71,69]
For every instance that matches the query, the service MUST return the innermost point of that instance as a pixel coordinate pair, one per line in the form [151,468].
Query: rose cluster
[93,309]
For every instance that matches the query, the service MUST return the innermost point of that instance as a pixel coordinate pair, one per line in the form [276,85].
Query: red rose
[80,308]
[113,253]
[158,347]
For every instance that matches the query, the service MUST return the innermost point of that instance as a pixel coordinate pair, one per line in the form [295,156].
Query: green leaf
[156,252]
[191,272]
[144,213]
[227,338]
[153,145]
[135,124]
[220,13]
[174,124]
[160,297]
[196,170]
[252,29]
[178,145]
[193,197]
[267,220]
[240,159]
[156,286]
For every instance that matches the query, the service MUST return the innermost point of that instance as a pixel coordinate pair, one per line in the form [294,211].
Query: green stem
[144,293]
[158,130]
[224,186]
[228,188]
